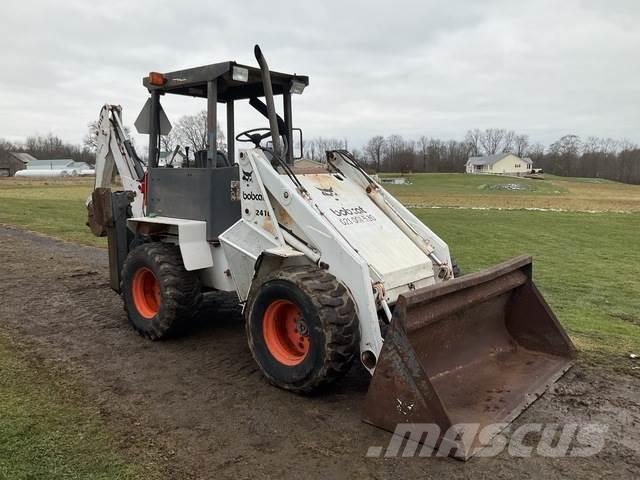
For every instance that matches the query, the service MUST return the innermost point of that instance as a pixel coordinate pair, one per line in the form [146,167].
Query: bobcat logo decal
[327,191]
[247,176]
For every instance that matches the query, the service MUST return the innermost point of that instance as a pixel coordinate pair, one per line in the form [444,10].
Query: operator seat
[221,159]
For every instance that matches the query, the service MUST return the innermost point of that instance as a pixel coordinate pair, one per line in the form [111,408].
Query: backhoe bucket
[472,353]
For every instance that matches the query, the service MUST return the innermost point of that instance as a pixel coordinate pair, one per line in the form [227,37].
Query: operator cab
[203,188]
[225,83]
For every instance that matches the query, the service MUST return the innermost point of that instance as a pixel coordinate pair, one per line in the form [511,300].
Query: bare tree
[315,148]
[374,148]
[169,142]
[90,140]
[608,146]
[521,145]
[435,152]
[535,151]
[51,146]
[591,145]
[473,139]
[7,145]
[508,142]
[564,155]
[628,165]
[626,145]
[491,140]
[423,146]
[393,146]
[329,143]
[191,131]
[407,157]
[568,145]
[357,154]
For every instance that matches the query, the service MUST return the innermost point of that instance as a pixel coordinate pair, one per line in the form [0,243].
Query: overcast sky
[436,68]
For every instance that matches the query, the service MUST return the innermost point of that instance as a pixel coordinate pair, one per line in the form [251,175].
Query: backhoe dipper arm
[115,149]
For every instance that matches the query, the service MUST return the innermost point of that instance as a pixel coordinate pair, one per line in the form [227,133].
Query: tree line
[49,147]
[189,130]
[570,155]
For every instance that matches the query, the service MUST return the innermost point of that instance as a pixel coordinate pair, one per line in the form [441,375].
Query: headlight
[240,74]
[296,87]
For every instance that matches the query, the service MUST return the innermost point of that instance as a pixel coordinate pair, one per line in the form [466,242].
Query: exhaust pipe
[268,95]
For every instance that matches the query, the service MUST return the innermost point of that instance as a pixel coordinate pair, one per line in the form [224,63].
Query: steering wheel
[252,136]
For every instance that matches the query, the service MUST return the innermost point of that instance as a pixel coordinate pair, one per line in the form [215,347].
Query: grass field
[48,431]
[54,207]
[575,194]
[587,265]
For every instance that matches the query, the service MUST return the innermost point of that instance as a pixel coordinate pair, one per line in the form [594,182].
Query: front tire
[455,268]
[159,295]
[302,328]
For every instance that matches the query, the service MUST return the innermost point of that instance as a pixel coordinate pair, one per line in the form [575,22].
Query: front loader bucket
[476,350]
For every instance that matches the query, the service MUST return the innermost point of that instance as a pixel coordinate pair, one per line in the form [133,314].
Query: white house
[169,158]
[499,164]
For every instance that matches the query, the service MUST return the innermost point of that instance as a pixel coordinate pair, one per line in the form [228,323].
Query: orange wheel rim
[285,332]
[146,292]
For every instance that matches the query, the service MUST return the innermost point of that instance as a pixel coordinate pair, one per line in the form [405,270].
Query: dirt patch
[199,404]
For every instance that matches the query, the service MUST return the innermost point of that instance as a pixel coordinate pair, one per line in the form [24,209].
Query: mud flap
[475,351]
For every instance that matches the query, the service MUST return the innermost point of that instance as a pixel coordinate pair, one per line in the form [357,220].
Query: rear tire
[159,295]
[302,328]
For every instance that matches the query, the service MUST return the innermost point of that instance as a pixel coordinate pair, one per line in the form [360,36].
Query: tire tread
[182,295]
[337,315]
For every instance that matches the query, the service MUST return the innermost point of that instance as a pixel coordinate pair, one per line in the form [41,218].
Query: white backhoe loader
[320,256]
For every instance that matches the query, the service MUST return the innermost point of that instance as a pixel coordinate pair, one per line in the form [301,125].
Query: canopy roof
[193,82]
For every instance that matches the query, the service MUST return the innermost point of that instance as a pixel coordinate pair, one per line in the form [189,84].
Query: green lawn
[53,207]
[586,265]
[47,430]
[484,184]
[559,193]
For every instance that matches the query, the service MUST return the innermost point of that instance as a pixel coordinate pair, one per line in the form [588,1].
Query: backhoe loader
[322,259]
